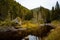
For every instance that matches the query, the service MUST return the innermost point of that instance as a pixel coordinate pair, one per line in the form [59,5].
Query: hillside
[41,14]
[12,9]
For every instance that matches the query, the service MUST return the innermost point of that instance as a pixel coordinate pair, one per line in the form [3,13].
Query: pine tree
[52,14]
[57,6]
[57,14]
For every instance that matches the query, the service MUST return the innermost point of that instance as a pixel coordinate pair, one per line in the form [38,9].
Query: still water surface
[31,37]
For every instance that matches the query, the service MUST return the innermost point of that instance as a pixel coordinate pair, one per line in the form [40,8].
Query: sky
[31,4]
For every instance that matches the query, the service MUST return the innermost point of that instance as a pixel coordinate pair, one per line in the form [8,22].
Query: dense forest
[12,9]
[48,15]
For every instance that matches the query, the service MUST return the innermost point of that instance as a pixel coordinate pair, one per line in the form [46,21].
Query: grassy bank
[55,34]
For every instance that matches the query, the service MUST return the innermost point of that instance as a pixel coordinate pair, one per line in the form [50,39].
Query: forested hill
[46,14]
[41,13]
[12,9]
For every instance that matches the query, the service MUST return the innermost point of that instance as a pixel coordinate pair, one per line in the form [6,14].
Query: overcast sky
[30,4]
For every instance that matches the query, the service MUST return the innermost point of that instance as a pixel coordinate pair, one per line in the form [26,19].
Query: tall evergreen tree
[57,11]
[52,14]
[57,6]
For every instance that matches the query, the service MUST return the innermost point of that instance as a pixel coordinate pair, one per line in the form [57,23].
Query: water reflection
[31,37]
